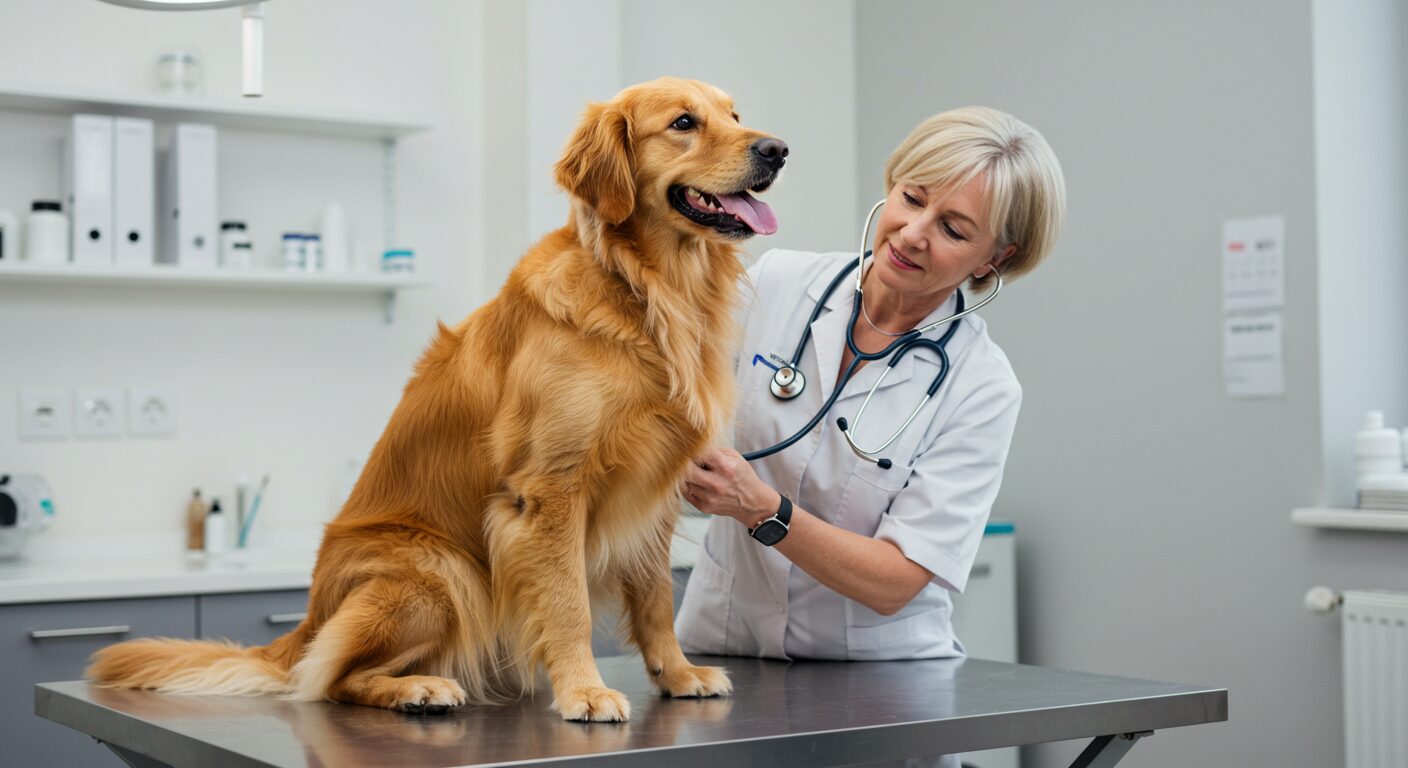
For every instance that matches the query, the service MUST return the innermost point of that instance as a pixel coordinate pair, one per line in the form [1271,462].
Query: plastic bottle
[1378,450]
[236,249]
[292,248]
[9,237]
[47,242]
[215,529]
[312,253]
[195,523]
[336,257]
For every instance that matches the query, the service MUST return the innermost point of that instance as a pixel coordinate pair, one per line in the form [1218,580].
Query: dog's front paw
[601,705]
[423,694]
[691,681]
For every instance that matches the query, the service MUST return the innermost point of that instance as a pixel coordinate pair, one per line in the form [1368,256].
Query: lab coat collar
[829,340]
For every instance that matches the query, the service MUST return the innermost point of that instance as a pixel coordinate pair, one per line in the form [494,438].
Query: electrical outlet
[99,412]
[151,412]
[43,414]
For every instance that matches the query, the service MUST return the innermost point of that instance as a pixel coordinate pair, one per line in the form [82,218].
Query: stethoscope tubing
[900,347]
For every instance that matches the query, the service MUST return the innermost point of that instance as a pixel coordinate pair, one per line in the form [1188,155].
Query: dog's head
[674,151]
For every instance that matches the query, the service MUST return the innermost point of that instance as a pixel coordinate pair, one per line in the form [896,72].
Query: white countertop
[87,568]
[28,581]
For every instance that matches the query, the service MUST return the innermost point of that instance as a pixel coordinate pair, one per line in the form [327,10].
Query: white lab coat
[744,599]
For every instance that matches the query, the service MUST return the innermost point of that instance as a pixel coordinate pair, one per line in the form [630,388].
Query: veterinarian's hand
[720,482]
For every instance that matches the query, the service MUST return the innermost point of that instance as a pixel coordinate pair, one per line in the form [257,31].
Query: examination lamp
[251,24]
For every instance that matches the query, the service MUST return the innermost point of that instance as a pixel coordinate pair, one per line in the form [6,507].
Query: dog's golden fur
[533,458]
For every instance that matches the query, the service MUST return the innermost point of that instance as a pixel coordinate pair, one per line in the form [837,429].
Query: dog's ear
[596,166]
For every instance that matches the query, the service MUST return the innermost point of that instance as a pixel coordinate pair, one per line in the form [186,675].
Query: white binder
[188,234]
[88,188]
[134,192]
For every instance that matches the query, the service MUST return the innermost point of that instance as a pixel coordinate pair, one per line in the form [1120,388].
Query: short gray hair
[1025,188]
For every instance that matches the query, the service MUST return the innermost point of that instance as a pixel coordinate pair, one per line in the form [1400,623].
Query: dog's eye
[683,123]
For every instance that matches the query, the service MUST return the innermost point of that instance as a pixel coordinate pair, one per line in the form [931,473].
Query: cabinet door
[50,642]
[251,618]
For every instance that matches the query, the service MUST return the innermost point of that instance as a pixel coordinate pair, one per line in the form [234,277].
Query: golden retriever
[533,458]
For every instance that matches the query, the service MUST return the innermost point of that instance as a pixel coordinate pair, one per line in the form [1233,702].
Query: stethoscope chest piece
[787,383]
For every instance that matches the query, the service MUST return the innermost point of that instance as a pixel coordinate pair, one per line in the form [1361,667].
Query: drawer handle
[979,571]
[285,618]
[115,629]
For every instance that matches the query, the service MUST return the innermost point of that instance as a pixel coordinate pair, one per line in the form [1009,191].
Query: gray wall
[1152,511]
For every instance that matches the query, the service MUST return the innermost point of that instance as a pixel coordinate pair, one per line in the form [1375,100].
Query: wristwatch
[771,530]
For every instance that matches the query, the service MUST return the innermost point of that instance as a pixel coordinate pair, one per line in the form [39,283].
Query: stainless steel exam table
[801,713]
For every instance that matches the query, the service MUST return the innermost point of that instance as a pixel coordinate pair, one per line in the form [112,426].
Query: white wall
[285,383]
[565,74]
[1152,511]
[1361,197]
[541,76]
[790,67]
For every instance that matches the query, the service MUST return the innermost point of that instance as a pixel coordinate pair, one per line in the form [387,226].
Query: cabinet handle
[115,629]
[979,570]
[285,618]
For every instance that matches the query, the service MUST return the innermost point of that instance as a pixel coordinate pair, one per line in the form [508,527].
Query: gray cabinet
[44,642]
[251,618]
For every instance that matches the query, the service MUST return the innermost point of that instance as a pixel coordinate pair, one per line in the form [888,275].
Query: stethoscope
[788,381]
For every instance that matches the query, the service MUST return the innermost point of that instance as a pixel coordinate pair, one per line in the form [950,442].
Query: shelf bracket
[388,307]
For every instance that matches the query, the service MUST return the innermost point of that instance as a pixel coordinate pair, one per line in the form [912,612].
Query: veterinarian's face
[696,163]
[929,241]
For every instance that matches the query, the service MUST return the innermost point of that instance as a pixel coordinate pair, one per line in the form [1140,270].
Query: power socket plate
[151,412]
[99,412]
[43,414]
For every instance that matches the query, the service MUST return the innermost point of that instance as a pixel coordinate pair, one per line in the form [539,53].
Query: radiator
[1375,626]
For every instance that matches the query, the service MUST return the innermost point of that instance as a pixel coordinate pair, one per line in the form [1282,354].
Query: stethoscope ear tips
[883,463]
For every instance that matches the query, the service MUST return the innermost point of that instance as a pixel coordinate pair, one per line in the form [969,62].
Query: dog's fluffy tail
[191,666]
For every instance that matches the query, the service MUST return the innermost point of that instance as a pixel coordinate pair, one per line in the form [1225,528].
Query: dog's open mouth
[736,214]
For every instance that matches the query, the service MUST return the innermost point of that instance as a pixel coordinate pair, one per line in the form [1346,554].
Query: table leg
[1106,751]
[133,759]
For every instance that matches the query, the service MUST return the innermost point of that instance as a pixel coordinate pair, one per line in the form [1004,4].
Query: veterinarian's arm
[870,571]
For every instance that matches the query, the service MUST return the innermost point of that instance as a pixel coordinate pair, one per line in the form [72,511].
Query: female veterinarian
[818,550]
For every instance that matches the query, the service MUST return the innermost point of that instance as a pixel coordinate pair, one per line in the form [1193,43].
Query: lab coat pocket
[901,638]
[868,496]
[702,623]
[890,480]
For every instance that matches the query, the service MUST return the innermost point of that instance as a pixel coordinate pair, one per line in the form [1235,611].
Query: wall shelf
[1359,519]
[253,115]
[250,115]
[387,284]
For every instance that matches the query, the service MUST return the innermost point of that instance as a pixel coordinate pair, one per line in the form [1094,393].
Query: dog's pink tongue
[755,213]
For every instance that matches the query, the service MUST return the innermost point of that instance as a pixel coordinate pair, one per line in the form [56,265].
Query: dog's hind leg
[384,629]
[538,561]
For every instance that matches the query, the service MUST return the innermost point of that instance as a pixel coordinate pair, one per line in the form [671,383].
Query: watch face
[770,532]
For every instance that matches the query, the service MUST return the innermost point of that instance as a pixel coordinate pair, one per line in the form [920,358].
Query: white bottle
[1378,450]
[47,242]
[215,529]
[336,256]
[236,249]
[9,238]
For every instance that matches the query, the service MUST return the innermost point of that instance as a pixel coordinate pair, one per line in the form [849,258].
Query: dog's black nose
[773,152]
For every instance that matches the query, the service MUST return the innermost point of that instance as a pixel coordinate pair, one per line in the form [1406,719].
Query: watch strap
[782,516]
